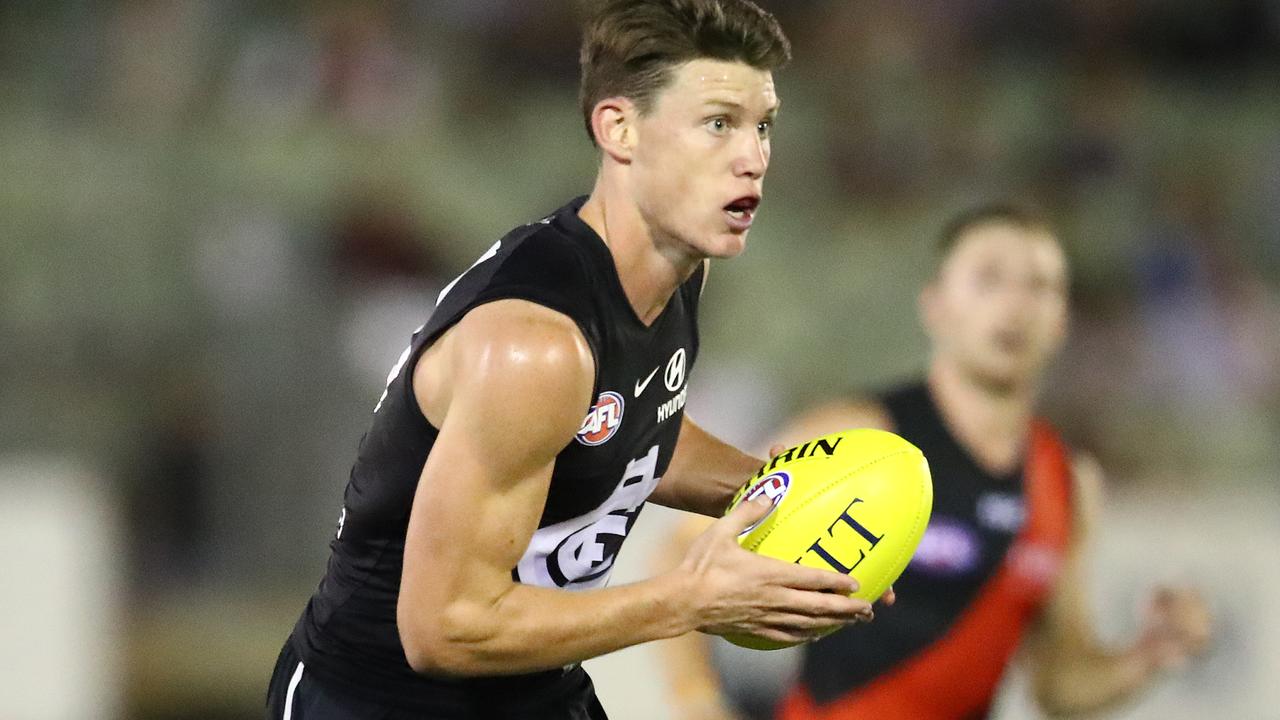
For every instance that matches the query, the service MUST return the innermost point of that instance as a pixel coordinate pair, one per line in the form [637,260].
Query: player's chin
[726,244]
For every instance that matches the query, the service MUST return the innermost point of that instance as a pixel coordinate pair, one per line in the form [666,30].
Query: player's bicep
[520,380]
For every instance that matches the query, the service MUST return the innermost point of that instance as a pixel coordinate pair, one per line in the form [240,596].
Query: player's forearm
[529,628]
[704,474]
[1090,681]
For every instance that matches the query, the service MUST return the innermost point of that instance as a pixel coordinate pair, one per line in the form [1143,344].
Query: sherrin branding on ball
[855,502]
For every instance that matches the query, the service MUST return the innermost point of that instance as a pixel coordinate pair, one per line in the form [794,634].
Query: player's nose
[751,156]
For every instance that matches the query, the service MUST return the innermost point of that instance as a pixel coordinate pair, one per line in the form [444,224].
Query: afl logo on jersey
[603,420]
[774,487]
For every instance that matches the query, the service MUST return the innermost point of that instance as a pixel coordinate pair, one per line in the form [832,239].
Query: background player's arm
[693,680]
[696,691]
[1074,674]
[508,387]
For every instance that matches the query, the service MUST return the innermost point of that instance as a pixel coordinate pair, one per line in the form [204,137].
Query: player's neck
[649,275]
[992,425]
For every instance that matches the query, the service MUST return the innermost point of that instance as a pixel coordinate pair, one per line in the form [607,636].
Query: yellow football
[855,502]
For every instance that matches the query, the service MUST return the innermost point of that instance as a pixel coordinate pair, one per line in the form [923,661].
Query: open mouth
[742,210]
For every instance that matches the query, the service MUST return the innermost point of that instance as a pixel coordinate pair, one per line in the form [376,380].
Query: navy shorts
[295,694]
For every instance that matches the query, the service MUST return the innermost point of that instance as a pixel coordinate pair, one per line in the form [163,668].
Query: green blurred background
[220,221]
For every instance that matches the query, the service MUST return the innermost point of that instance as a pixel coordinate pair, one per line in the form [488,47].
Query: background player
[1002,558]
[481,494]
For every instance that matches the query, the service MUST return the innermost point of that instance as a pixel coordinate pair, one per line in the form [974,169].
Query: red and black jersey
[347,635]
[982,574]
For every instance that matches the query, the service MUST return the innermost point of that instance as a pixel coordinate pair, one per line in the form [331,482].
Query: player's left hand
[889,597]
[1176,627]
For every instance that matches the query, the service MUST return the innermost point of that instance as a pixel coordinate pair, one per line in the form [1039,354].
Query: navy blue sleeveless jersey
[347,635]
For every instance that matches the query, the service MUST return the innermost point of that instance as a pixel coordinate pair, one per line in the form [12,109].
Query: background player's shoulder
[833,416]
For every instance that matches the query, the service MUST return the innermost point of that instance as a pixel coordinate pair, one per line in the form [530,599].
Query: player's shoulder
[854,411]
[559,241]
[513,333]
[1082,475]
[1053,444]
[512,355]
[835,415]
[552,262]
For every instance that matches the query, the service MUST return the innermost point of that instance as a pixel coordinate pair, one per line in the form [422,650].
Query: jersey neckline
[578,228]
[1012,477]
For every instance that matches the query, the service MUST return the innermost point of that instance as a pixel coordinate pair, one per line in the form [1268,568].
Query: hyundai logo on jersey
[673,378]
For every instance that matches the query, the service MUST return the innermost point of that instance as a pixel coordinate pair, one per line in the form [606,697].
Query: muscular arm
[1074,674]
[508,387]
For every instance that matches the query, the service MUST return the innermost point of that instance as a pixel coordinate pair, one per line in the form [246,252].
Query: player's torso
[992,548]
[600,479]
[976,518]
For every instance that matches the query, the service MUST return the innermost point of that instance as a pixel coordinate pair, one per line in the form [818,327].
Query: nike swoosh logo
[640,386]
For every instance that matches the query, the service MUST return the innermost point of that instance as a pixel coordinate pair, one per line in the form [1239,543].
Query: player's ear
[613,122]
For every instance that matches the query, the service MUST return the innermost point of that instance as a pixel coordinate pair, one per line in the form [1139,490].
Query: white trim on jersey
[293,687]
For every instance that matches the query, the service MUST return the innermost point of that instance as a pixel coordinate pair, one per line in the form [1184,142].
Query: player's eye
[718,125]
[764,128]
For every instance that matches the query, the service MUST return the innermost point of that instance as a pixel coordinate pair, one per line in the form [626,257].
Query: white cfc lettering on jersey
[579,553]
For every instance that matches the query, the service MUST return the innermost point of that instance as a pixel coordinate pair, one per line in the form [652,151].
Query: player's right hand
[737,591]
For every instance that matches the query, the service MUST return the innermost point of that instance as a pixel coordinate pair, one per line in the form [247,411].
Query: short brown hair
[630,46]
[1021,216]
